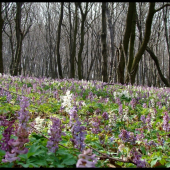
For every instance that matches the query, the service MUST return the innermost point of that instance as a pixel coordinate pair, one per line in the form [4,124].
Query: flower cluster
[67,101]
[136,158]
[78,134]
[105,115]
[86,160]
[166,125]
[21,132]
[133,103]
[96,125]
[127,136]
[148,121]
[55,134]
[39,123]
[7,133]
[73,115]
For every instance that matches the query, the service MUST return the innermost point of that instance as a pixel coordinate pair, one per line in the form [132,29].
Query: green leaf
[167,164]
[2,153]
[69,161]
[153,162]
[24,156]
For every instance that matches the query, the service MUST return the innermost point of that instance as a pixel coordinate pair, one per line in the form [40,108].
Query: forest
[115,42]
[85,84]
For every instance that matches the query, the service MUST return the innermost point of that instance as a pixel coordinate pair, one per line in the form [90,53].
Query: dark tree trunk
[139,54]
[124,46]
[104,45]
[73,53]
[58,42]
[19,37]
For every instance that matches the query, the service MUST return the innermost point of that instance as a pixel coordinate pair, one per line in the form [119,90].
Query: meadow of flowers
[71,123]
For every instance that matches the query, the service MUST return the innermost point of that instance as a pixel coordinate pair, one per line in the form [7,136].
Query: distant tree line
[119,42]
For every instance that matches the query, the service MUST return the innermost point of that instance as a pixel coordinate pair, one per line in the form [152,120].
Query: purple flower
[148,121]
[120,109]
[142,118]
[105,115]
[127,136]
[118,101]
[133,103]
[166,125]
[9,97]
[55,134]
[96,125]
[144,105]
[73,115]
[6,134]
[78,134]
[136,158]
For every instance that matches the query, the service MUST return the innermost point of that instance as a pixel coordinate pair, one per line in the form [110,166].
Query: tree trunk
[104,45]
[153,56]
[124,49]
[73,53]
[166,36]
[144,43]
[19,37]
[1,26]
[83,16]
[112,35]
[58,42]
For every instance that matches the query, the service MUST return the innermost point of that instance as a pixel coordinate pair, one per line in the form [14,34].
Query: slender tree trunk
[104,44]
[19,37]
[153,56]
[112,34]
[83,17]
[58,42]
[73,53]
[1,26]
[124,48]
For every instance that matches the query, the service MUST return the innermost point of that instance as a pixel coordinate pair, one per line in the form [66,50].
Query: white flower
[39,123]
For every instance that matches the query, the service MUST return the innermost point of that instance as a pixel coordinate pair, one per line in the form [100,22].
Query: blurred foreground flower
[87,159]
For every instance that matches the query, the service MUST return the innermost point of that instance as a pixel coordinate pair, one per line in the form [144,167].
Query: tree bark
[104,45]
[153,56]
[58,42]
[83,17]
[139,54]
[1,26]
[73,53]
[19,37]
[124,50]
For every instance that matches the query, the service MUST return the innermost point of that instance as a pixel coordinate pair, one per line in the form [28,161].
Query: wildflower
[39,123]
[87,159]
[55,134]
[166,125]
[78,133]
[105,115]
[73,115]
[17,146]
[96,124]
[148,121]
[133,103]
[142,118]
[136,158]
[7,133]
[120,109]
[144,105]
[127,136]
[9,97]
[67,101]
